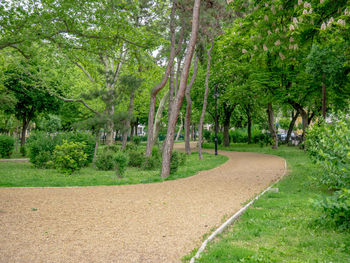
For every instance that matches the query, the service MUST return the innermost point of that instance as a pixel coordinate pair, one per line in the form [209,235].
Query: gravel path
[159,222]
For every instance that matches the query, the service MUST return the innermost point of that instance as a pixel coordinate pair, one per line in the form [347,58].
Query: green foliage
[328,144]
[23,150]
[6,145]
[69,156]
[177,159]
[220,137]
[206,135]
[105,160]
[50,123]
[154,161]
[136,158]
[336,208]
[121,163]
[113,148]
[136,140]
[41,146]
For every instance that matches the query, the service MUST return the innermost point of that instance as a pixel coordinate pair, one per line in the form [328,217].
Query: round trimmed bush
[136,158]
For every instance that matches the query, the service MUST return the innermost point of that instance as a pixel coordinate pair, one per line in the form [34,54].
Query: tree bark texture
[180,128]
[169,140]
[189,108]
[249,128]
[161,85]
[97,138]
[205,101]
[291,125]
[228,109]
[127,124]
[272,127]
[159,115]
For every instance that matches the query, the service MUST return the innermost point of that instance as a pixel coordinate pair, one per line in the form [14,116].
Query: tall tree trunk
[169,140]
[159,115]
[291,125]
[205,101]
[272,127]
[305,122]
[249,128]
[110,125]
[324,107]
[127,124]
[228,109]
[161,85]
[97,138]
[24,130]
[188,108]
[180,128]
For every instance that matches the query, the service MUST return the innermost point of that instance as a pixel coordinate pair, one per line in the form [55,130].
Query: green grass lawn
[15,174]
[283,226]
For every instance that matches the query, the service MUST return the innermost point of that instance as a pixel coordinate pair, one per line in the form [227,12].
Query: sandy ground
[158,222]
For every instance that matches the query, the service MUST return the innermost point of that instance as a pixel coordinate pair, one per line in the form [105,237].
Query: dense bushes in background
[41,146]
[105,160]
[69,157]
[6,146]
[328,144]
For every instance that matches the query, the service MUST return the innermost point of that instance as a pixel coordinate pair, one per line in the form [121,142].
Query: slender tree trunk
[249,128]
[161,85]
[188,108]
[110,125]
[127,128]
[97,138]
[324,107]
[24,130]
[169,140]
[291,126]
[159,115]
[180,128]
[305,122]
[272,127]
[205,101]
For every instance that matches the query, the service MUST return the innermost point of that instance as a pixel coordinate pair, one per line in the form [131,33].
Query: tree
[22,81]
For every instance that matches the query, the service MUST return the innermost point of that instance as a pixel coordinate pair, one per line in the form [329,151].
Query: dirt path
[158,222]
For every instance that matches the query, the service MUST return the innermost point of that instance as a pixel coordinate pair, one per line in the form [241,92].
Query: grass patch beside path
[16,174]
[282,227]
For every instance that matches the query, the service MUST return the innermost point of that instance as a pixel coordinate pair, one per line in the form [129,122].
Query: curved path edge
[234,218]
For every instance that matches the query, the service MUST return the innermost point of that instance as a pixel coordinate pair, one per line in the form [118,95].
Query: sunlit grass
[282,227]
[14,174]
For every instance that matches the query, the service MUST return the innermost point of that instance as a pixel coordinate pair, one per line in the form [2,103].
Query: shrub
[121,163]
[130,147]
[41,147]
[328,144]
[85,137]
[336,208]
[105,160]
[136,140]
[6,145]
[69,157]
[220,138]
[23,150]
[136,158]
[206,135]
[154,161]
[113,148]
[177,159]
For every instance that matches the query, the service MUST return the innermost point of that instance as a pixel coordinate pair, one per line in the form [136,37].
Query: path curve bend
[158,222]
